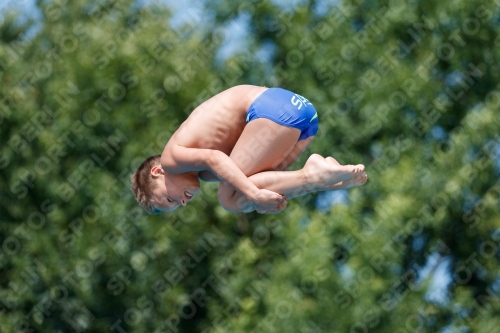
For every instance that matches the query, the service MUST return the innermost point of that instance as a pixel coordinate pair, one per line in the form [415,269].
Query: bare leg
[318,174]
[263,146]
[297,150]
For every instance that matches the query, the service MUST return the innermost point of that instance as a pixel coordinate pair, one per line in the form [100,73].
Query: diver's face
[173,191]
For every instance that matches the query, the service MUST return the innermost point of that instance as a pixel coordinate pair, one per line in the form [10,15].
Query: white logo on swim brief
[299,101]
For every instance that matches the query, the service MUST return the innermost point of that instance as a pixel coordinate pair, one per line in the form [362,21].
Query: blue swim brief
[286,108]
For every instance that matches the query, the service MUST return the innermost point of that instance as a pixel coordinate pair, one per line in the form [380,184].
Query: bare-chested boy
[244,137]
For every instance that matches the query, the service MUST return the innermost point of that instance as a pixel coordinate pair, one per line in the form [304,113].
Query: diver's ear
[157,171]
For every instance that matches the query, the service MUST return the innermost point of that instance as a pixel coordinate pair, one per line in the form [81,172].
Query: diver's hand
[267,201]
[263,210]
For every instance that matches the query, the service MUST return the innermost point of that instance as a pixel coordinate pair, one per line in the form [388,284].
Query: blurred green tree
[410,89]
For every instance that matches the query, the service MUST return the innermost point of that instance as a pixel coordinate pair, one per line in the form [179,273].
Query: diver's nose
[183,202]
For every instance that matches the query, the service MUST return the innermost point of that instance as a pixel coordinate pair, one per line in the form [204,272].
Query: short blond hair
[143,184]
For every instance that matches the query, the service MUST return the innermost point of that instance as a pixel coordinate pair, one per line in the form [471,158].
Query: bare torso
[218,122]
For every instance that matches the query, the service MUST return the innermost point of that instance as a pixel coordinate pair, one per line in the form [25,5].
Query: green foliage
[409,88]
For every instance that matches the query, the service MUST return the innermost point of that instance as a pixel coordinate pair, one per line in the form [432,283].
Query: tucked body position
[245,137]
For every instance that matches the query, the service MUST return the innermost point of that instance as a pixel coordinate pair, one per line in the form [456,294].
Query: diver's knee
[232,201]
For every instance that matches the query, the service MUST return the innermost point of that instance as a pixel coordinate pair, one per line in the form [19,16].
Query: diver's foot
[323,172]
[358,180]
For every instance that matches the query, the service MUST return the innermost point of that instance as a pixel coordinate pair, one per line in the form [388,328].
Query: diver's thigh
[263,145]
[297,150]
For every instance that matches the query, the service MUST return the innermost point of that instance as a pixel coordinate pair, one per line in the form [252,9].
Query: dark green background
[409,88]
